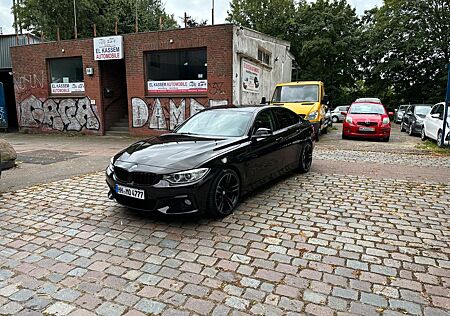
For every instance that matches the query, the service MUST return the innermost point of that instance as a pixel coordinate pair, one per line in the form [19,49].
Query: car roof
[366,102]
[298,83]
[243,108]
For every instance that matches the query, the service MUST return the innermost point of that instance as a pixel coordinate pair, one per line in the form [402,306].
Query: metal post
[185,20]
[446,105]
[116,26]
[75,19]
[95,30]
[212,13]
[136,28]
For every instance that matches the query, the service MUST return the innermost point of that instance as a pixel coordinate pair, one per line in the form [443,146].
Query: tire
[335,119]
[410,130]
[439,139]
[402,128]
[325,130]
[386,139]
[306,157]
[423,136]
[224,194]
[344,136]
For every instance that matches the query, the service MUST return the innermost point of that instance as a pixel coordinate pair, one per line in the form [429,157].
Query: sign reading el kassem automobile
[251,75]
[108,48]
[178,86]
[66,88]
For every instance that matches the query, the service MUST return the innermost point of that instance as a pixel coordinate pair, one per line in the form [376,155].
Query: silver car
[336,114]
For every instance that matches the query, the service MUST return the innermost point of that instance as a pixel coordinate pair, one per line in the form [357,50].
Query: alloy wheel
[227,193]
[423,136]
[306,158]
[410,131]
[439,139]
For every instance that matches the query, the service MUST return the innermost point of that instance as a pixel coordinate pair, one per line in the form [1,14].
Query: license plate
[131,192]
[367,129]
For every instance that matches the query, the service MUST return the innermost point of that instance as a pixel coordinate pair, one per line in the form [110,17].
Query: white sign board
[178,86]
[66,88]
[108,48]
[251,77]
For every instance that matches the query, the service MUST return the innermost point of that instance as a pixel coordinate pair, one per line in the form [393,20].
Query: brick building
[143,83]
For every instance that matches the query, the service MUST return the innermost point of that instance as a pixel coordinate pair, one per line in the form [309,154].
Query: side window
[66,76]
[440,110]
[285,118]
[264,120]
[435,108]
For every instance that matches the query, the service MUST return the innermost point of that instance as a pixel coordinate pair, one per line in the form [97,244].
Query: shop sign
[108,48]
[66,88]
[251,77]
[178,86]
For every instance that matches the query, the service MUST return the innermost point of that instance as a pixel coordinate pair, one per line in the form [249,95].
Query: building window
[177,71]
[66,75]
[264,57]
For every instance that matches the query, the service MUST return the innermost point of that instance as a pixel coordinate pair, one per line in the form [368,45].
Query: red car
[367,120]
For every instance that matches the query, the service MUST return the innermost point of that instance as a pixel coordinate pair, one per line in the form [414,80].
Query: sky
[199,9]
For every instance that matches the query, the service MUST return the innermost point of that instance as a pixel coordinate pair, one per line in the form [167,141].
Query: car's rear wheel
[306,157]
[439,139]
[335,119]
[224,194]
[402,127]
[410,130]
[423,136]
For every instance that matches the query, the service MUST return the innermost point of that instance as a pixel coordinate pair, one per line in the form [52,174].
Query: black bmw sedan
[211,160]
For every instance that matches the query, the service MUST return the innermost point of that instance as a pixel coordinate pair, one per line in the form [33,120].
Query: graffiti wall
[71,114]
[166,113]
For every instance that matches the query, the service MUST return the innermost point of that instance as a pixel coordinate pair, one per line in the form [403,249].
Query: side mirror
[396,110]
[262,133]
[344,113]
[391,113]
[326,100]
[263,100]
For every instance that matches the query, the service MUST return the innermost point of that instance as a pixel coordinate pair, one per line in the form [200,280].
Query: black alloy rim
[439,139]
[227,193]
[307,156]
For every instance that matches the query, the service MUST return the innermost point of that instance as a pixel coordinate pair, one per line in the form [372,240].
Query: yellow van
[307,99]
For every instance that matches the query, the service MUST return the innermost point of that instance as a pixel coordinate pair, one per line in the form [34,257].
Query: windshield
[220,122]
[422,109]
[367,108]
[305,93]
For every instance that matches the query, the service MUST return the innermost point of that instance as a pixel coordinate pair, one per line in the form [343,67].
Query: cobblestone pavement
[407,159]
[317,244]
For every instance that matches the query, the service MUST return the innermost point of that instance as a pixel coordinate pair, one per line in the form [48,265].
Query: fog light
[188,202]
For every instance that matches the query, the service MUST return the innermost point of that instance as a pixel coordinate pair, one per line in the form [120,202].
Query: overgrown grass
[431,146]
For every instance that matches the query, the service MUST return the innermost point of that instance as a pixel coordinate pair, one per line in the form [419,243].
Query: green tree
[408,48]
[46,16]
[326,47]
[273,17]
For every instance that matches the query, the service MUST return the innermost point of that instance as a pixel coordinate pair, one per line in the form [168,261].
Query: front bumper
[354,131]
[168,200]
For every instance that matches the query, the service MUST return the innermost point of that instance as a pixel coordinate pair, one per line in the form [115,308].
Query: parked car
[412,120]
[367,120]
[210,160]
[336,114]
[372,100]
[433,123]
[399,113]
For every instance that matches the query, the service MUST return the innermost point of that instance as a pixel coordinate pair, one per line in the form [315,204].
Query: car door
[288,138]
[435,122]
[262,156]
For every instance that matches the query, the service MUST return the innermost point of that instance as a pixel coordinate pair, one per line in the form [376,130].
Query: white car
[433,123]
[373,100]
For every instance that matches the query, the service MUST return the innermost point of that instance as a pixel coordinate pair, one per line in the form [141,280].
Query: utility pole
[212,13]
[75,18]
[446,105]
[185,20]
[136,28]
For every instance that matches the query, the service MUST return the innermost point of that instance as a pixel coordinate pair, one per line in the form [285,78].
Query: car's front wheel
[402,127]
[306,157]
[411,130]
[439,139]
[423,136]
[224,194]
[335,119]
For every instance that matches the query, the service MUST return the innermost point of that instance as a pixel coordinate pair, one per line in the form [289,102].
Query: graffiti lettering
[215,88]
[60,115]
[161,115]
[25,82]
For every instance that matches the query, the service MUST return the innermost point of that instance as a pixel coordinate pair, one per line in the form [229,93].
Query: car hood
[299,107]
[174,152]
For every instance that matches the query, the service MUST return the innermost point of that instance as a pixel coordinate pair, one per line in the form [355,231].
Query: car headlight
[313,115]
[349,119]
[185,177]
[386,120]
[110,168]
